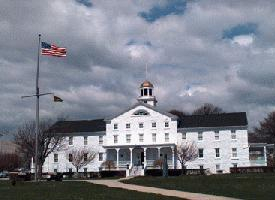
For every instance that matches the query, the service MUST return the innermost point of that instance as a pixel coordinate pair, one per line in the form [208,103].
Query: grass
[68,190]
[245,186]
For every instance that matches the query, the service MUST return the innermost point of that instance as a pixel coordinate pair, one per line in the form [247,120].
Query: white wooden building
[143,133]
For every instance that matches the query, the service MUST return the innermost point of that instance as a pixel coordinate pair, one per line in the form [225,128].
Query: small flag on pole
[57,99]
[52,50]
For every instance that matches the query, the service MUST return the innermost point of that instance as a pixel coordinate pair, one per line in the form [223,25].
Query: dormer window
[141,112]
[166,124]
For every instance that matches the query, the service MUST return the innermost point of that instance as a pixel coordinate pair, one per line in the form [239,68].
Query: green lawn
[245,186]
[68,190]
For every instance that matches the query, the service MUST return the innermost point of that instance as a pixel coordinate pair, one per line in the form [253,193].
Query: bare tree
[207,109]
[81,157]
[109,164]
[9,161]
[186,153]
[158,163]
[266,129]
[178,113]
[48,142]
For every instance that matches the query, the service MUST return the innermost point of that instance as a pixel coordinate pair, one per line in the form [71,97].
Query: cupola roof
[146,84]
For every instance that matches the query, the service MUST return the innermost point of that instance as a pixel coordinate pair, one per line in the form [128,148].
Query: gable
[142,110]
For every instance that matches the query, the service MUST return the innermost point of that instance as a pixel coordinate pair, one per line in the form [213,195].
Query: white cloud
[99,78]
[243,40]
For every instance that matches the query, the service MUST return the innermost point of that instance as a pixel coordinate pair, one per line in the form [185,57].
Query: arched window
[141,112]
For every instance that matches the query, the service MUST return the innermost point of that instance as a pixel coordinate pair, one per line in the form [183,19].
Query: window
[145,92]
[115,138]
[217,135]
[234,152]
[128,126]
[55,170]
[166,124]
[200,153]
[70,170]
[70,157]
[201,167]
[85,140]
[100,156]
[85,170]
[154,137]
[183,136]
[154,124]
[141,137]
[115,126]
[85,156]
[141,112]
[150,92]
[55,157]
[217,150]
[233,135]
[70,140]
[218,167]
[100,139]
[166,137]
[200,136]
[235,165]
[140,125]
[141,92]
[128,138]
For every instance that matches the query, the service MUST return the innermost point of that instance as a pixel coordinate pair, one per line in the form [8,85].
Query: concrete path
[165,192]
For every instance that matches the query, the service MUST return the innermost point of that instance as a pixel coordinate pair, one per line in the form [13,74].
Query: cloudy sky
[221,52]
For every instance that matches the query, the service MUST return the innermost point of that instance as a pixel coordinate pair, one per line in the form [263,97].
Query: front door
[142,157]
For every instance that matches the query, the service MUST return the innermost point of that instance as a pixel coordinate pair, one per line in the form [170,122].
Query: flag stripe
[52,50]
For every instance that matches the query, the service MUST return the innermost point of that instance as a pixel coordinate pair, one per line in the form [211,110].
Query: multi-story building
[144,133]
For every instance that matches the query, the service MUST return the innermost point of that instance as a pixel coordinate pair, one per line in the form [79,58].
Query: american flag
[52,50]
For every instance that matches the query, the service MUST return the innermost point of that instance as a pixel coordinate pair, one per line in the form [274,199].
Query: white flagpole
[37,108]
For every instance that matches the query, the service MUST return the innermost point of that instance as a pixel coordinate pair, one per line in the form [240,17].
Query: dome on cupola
[146,84]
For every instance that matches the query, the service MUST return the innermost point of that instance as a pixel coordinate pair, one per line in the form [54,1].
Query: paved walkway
[165,192]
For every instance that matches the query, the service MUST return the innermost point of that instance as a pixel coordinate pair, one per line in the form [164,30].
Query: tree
[81,157]
[266,129]
[178,113]
[9,161]
[109,164]
[48,142]
[158,163]
[186,153]
[207,109]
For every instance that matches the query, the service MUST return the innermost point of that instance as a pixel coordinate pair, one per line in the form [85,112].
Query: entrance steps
[135,171]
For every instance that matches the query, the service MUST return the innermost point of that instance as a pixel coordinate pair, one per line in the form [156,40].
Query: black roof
[96,125]
[213,120]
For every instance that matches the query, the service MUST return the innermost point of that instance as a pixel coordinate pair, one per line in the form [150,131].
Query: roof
[146,84]
[213,120]
[96,125]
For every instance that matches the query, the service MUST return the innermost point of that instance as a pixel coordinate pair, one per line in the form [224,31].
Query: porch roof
[139,146]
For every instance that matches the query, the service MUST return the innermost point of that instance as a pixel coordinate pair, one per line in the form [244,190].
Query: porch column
[158,153]
[131,157]
[145,160]
[265,160]
[173,157]
[117,158]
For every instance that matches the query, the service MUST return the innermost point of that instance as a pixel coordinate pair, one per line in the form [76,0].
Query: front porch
[140,156]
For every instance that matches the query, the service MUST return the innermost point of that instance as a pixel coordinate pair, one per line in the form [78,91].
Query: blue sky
[171,7]
[240,29]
